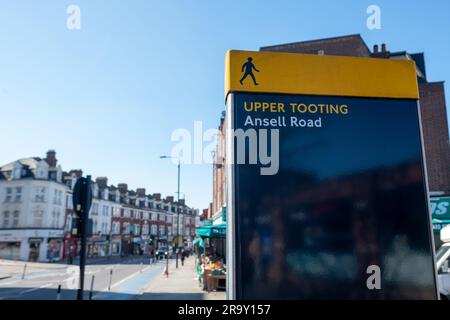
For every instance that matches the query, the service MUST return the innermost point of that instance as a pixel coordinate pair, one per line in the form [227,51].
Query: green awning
[198,242]
[213,231]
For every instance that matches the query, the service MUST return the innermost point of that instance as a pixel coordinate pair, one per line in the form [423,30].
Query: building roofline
[356,35]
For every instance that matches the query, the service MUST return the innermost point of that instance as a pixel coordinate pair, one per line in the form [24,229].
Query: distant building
[217,211]
[432,98]
[32,209]
[432,107]
[38,223]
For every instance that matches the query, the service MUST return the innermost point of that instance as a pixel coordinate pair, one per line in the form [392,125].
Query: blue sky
[107,97]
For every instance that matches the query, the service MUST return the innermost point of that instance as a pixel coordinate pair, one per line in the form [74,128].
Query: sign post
[327,191]
[82,200]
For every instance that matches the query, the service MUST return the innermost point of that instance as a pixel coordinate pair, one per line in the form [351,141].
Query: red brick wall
[435,133]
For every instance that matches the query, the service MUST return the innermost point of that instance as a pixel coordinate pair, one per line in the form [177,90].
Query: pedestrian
[183,256]
[152,254]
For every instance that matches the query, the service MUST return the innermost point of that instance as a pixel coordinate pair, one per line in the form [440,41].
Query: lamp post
[178,201]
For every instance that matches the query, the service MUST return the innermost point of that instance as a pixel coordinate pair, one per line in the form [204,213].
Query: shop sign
[440,208]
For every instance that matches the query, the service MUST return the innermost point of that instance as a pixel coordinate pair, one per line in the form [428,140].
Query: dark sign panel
[336,207]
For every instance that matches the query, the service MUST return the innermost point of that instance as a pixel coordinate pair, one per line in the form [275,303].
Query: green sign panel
[440,208]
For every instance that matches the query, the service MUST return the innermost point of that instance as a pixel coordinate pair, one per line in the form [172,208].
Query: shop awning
[218,231]
[198,242]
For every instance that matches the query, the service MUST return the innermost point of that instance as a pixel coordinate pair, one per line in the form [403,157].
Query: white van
[442,264]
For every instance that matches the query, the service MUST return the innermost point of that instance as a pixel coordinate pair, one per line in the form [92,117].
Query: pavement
[181,284]
[114,278]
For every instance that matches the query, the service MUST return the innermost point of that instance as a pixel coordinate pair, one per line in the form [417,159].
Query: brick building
[432,106]
[432,98]
[217,210]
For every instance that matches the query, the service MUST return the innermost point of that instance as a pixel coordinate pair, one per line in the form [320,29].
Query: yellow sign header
[268,72]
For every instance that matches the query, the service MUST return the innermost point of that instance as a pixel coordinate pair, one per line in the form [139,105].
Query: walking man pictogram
[249,67]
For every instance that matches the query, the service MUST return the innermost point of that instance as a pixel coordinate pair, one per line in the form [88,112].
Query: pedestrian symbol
[248,67]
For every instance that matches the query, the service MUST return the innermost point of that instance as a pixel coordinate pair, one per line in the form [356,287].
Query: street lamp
[178,201]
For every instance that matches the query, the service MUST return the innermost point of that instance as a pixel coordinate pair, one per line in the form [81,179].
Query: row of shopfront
[42,245]
[49,245]
[115,245]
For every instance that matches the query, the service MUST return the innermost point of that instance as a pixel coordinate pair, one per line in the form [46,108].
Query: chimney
[157,196]
[123,187]
[102,182]
[76,173]
[383,48]
[51,158]
[169,199]
[140,192]
[375,49]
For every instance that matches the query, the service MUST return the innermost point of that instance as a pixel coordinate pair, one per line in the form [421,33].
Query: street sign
[327,193]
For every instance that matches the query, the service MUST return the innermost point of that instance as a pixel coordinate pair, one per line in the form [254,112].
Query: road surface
[114,279]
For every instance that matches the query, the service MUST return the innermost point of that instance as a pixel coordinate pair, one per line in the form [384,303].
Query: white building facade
[32,209]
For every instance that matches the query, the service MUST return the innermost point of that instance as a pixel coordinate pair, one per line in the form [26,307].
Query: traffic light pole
[84,214]
[178,216]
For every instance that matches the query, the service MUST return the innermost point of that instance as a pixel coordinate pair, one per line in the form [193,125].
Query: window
[8,195]
[126,228]
[162,230]
[39,195]
[145,215]
[5,219]
[68,225]
[150,205]
[145,229]
[16,216]
[105,211]
[69,202]
[18,196]
[56,215]
[116,227]
[53,224]
[38,216]
[52,175]
[166,208]
[94,209]
[154,229]
[116,212]
[137,229]
[17,173]
[154,216]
